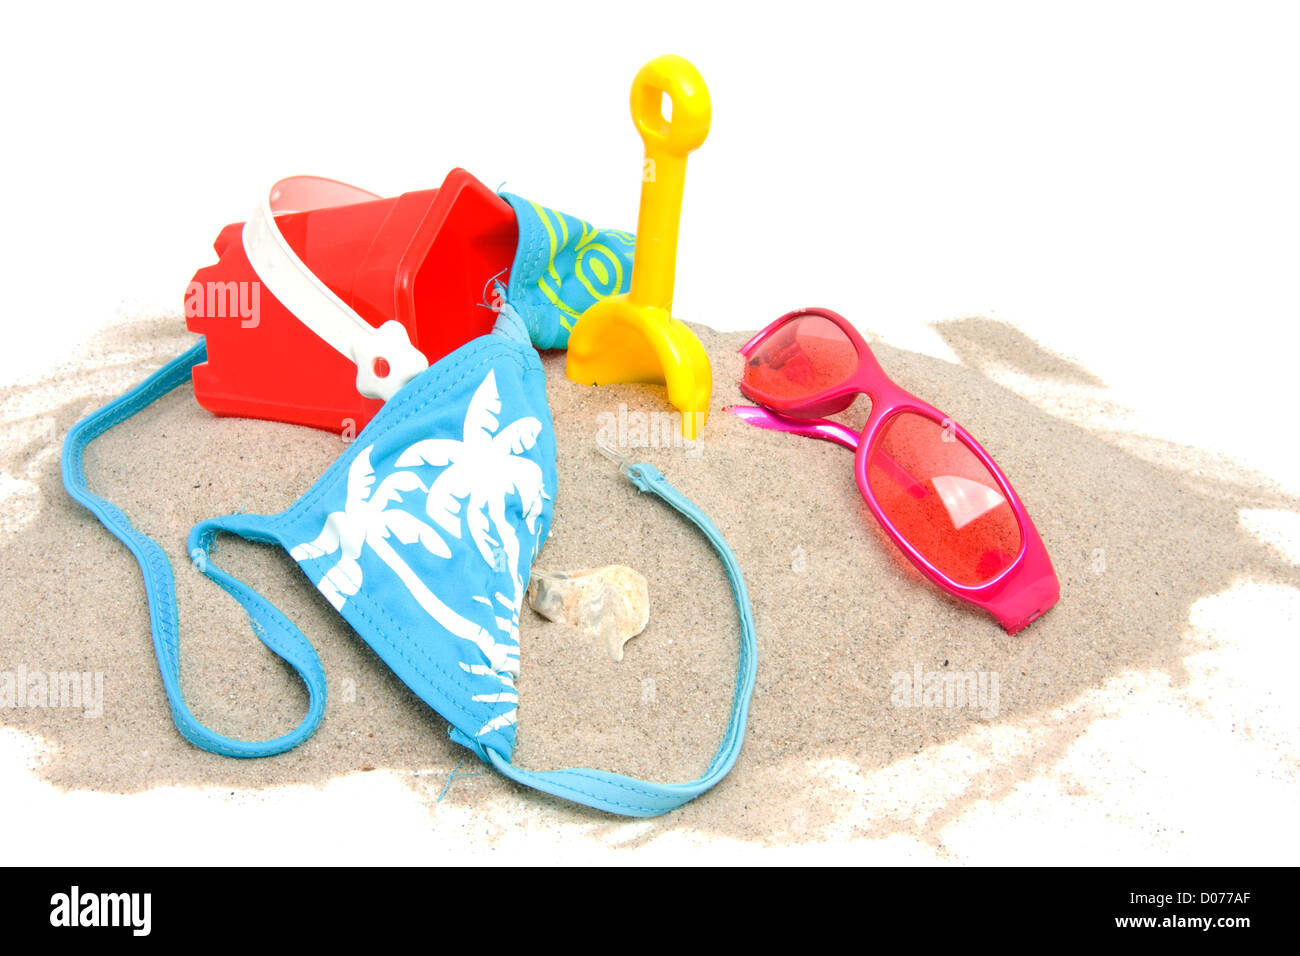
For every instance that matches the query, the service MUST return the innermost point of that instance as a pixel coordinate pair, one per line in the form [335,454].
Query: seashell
[611,605]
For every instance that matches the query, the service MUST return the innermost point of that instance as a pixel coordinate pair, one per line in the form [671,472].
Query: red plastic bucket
[422,258]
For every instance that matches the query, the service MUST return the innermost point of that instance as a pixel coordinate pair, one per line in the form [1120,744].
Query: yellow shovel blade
[615,342]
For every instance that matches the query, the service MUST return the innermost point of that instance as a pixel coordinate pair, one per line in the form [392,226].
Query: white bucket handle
[386,349]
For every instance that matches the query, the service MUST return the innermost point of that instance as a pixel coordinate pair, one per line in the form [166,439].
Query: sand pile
[839,613]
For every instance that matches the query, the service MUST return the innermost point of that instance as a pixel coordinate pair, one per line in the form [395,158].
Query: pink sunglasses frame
[1025,589]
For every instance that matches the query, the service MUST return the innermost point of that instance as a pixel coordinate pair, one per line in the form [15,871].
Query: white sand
[1140,707]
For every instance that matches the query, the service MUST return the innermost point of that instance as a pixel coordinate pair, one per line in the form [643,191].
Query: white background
[1120,180]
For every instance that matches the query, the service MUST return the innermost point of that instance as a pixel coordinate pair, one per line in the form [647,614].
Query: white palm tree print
[486,467]
[480,472]
[367,520]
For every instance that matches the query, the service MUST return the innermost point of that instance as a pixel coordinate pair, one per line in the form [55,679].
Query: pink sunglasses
[934,490]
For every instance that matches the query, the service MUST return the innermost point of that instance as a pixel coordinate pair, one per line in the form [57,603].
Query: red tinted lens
[940,497]
[807,355]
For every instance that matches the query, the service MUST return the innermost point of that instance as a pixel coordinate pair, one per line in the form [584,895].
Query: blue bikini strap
[275,630]
[628,795]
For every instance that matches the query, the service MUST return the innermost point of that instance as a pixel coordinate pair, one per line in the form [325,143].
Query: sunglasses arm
[807,427]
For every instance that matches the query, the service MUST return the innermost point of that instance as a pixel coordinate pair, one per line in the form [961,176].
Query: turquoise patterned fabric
[562,266]
[422,535]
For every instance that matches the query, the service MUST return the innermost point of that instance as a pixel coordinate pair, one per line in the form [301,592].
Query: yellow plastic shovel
[633,337]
